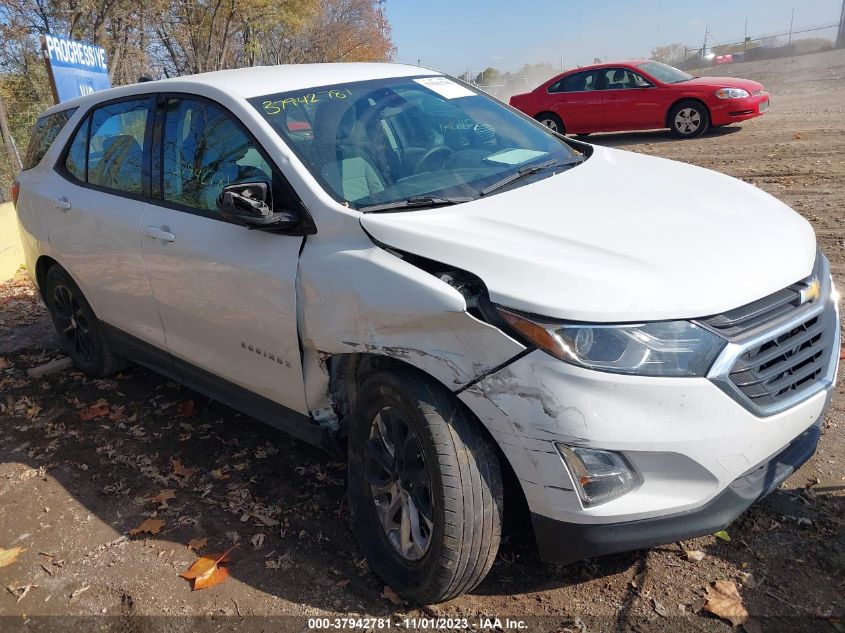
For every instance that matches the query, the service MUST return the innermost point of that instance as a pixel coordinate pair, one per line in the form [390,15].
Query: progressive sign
[75,68]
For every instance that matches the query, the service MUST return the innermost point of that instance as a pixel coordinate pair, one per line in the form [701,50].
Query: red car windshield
[664,73]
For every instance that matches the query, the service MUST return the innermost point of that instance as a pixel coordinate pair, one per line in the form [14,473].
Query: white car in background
[382,257]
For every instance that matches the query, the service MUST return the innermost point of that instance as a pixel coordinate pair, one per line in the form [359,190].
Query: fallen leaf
[163,496]
[257,540]
[342,583]
[218,474]
[197,543]
[722,534]
[233,536]
[797,136]
[391,595]
[206,571]
[218,575]
[10,556]
[724,601]
[187,408]
[97,410]
[694,555]
[697,605]
[265,519]
[748,580]
[182,471]
[149,526]
[662,611]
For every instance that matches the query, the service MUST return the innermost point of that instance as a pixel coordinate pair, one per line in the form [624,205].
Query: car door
[226,294]
[629,100]
[97,196]
[577,100]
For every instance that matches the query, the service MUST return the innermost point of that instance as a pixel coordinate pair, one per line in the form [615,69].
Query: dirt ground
[83,462]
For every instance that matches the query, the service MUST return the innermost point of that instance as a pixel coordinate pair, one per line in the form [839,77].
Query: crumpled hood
[621,237]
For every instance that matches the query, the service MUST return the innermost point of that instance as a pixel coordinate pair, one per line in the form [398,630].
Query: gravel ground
[83,462]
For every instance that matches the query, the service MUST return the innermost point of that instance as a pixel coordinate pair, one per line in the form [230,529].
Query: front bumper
[732,110]
[563,543]
[702,453]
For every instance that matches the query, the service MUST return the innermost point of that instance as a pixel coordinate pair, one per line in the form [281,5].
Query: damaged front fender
[361,299]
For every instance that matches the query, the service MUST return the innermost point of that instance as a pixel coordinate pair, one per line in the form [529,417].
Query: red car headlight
[731,93]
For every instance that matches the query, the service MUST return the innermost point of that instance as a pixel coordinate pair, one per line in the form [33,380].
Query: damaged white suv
[383,257]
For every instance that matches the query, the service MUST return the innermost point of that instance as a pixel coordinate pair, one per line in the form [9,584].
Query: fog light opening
[599,476]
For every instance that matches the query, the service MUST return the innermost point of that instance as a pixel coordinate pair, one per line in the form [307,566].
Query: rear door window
[578,82]
[109,147]
[44,132]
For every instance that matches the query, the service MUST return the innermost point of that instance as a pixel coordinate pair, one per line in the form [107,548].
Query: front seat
[346,166]
[617,80]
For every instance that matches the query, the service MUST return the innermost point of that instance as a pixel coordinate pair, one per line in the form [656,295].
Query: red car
[640,95]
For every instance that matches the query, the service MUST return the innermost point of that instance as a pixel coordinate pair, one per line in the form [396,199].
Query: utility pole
[8,141]
[704,46]
[840,38]
[745,36]
[791,20]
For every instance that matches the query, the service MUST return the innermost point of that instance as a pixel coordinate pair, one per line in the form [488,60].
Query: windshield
[665,73]
[390,140]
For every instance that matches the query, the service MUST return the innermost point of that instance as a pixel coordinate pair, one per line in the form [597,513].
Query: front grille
[762,312]
[787,364]
[781,347]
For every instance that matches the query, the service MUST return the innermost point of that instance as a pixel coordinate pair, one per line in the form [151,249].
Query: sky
[456,35]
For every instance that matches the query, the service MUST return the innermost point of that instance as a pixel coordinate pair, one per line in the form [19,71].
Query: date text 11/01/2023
[418,624]
[309,98]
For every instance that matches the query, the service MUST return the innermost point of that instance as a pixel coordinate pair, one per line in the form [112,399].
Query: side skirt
[300,426]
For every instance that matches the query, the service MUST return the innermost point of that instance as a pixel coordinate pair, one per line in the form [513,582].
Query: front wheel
[689,119]
[425,489]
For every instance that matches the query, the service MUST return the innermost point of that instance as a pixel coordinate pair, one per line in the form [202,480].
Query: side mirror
[246,204]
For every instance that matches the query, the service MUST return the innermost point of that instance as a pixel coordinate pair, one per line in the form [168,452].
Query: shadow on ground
[622,139]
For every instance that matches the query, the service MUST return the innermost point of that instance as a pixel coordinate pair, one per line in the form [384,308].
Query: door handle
[159,234]
[60,203]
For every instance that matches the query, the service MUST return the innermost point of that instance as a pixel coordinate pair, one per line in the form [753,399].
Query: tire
[552,121]
[689,119]
[80,333]
[460,515]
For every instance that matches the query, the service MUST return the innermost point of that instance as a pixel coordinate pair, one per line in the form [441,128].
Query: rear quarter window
[44,132]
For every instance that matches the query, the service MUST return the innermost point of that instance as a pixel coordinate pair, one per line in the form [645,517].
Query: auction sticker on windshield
[445,87]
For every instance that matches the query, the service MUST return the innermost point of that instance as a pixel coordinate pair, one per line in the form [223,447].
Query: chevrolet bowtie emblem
[811,292]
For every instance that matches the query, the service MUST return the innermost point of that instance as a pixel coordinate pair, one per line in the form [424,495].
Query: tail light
[15,190]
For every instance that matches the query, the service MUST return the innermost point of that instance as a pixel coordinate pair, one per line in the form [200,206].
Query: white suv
[382,257]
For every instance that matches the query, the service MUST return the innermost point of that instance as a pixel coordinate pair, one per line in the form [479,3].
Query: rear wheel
[689,119]
[80,332]
[425,490]
[552,121]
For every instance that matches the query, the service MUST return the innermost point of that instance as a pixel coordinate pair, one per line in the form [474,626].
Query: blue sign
[77,68]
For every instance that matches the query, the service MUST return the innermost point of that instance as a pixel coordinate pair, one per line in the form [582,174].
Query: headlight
[732,93]
[663,348]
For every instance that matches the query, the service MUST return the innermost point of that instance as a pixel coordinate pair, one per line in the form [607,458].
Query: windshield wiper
[415,201]
[522,172]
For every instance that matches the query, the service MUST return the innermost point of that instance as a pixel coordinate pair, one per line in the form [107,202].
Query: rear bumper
[561,542]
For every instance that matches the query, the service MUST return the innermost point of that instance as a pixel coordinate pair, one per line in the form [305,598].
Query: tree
[488,77]
[672,54]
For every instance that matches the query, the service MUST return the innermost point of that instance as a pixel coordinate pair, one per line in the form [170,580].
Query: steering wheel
[423,160]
